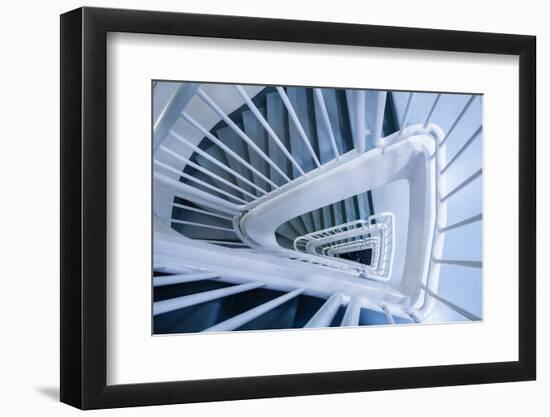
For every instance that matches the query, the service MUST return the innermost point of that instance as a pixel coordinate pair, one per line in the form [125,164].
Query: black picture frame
[84,207]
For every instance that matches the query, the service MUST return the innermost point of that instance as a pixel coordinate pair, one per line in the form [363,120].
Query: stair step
[362,204]
[349,210]
[235,143]
[202,233]
[201,181]
[277,119]
[300,98]
[337,111]
[302,225]
[338,212]
[192,216]
[350,104]
[298,146]
[317,223]
[288,231]
[302,102]
[284,241]
[326,217]
[257,133]
[205,163]
[307,220]
[344,120]
[324,146]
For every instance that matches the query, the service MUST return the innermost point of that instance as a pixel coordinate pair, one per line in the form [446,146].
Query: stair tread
[326,152]
[233,141]
[210,166]
[257,133]
[276,118]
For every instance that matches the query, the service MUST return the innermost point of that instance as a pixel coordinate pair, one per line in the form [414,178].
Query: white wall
[29,225]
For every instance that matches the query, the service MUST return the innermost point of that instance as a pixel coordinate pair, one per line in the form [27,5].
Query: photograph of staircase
[289,207]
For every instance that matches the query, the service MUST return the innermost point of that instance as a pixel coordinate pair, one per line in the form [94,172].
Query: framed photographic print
[257,208]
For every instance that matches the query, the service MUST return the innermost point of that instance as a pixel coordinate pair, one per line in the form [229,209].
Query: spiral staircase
[295,207]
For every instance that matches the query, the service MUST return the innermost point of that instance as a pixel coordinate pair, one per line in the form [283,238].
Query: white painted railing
[231,205]
[244,198]
[376,232]
[370,243]
[428,291]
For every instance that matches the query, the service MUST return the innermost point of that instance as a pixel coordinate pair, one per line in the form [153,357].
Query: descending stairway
[273,140]
[242,188]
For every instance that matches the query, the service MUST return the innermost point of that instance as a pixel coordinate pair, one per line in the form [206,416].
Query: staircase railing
[376,232]
[232,203]
[428,290]
[242,199]
[325,315]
